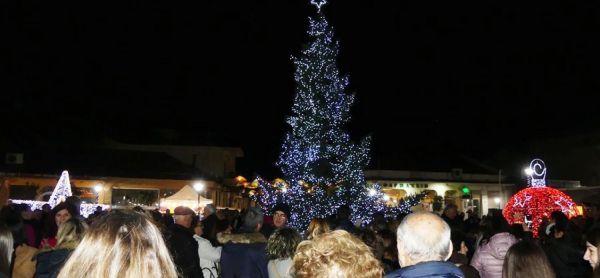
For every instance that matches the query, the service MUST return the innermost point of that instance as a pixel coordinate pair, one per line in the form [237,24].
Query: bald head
[423,237]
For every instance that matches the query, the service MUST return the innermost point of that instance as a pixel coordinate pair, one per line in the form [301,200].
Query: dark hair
[282,243]
[526,259]
[457,237]
[70,208]
[10,216]
[368,237]
[494,224]
[450,206]
[593,236]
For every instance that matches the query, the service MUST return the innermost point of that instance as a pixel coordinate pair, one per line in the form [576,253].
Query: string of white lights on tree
[322,167]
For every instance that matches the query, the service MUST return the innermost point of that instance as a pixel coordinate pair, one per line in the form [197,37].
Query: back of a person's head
[457,237]
[336,254]
[494,224]
[282,243]
[211,208]
[120,244]
[10,216]
[423,237]
[525,259]
[317,227]
[70,233]
[6,249]
[343,212]
[253,217]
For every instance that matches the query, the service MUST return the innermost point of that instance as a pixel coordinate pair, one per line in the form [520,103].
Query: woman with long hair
[591,253]
[60,214]
[525,259]
[6,250]
[281,247]
[120,244]
[50,260]
[317,227]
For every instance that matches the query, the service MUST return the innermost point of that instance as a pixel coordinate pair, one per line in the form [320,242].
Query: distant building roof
[102,162]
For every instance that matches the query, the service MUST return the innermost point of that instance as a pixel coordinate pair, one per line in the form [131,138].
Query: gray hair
[210,208]
[253,217]
[423,237]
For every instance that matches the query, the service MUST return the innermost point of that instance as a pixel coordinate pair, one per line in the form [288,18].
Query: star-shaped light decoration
[318,4]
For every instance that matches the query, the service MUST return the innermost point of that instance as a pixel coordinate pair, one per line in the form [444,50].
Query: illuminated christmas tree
[322,167]
[531,205]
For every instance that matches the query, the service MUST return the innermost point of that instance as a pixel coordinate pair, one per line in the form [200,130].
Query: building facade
[478,192]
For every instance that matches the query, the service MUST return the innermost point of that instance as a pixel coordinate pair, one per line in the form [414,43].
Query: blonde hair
[317,227]
[336,254]
[121,244]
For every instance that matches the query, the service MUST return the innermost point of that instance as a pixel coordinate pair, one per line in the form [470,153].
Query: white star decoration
[318,3]
[521,203]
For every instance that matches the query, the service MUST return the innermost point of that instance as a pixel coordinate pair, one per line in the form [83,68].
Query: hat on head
[282,207]
[183,210]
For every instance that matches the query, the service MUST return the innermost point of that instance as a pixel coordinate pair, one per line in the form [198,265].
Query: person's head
[120,244]
[317,226]
[423,237]
[335,254]
[343,212]
[451,211]
[526,259]
[592,245]
[6,249]
[494,224]
[183,216]
[282,243]
[281,213]
[558,217]
[62,212]
[198,228]
[208,210]
[458,239]
[46,208]
[70,233]
[74,202]
[253,220]
[592,210]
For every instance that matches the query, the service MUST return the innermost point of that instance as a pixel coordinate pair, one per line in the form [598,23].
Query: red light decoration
[531,205]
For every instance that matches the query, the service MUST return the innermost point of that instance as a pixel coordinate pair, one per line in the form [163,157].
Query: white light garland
[61,191]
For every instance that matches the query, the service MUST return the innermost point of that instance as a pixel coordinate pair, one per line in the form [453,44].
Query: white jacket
[209,257]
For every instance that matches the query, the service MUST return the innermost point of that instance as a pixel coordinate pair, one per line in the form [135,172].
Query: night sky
[469,77]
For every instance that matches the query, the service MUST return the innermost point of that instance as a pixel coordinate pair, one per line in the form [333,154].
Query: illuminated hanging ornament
[531,205]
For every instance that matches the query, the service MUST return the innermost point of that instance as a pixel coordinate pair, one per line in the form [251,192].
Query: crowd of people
[226,243]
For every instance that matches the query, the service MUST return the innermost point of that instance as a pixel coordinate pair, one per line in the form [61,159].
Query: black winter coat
[184,249]
[49,263]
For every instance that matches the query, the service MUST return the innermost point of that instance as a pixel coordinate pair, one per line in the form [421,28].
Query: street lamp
[497,201]
[528,171]
[199,187]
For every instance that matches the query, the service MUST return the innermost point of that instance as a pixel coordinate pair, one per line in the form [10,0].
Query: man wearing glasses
[281,214]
